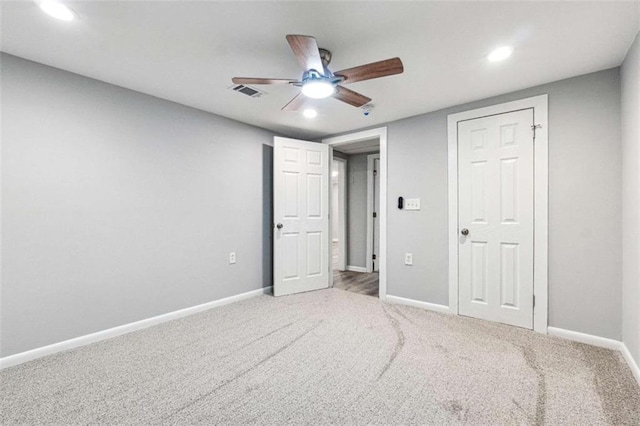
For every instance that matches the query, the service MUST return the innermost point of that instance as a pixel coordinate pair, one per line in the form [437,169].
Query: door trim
[342,213]
[541,201]
[370,190]
[380,133]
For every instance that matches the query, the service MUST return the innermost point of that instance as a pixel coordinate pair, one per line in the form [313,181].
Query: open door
[301,215]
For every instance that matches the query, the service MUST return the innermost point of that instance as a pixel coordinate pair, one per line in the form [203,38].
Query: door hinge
[375,214]
[534,127]
[374,257]
[534,300]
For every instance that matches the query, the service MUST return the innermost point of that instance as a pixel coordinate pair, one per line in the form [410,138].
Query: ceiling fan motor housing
[325,56]
[314,75]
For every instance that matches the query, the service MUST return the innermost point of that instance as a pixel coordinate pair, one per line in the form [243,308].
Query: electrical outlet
[408,259]
[232,257]
[412,204]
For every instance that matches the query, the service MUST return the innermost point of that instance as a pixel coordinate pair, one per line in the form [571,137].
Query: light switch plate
[412,204]
[408,259]
[232,257]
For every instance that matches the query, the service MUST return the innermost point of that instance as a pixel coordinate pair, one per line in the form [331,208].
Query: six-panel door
[495,206]
[301,198]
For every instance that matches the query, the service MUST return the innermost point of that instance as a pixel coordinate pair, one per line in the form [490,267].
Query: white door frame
[380,133]
[370,190]
[342,214]
[541,201]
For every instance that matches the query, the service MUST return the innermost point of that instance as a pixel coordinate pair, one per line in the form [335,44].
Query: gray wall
[631,199]
[118,206]
[585,203]
[357,209]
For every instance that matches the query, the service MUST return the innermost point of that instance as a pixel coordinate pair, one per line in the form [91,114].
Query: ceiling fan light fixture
[318,89]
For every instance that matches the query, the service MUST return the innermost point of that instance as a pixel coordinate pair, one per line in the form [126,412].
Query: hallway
[356,282]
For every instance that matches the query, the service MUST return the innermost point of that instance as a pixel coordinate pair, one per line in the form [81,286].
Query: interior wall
[357,210]
[630,73]
[585,203]
[118,206]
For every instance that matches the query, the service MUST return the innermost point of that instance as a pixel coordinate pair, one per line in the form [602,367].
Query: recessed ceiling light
[500,54]
[310,113]
[57,10]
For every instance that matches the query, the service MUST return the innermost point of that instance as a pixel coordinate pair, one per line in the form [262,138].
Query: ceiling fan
[319,82]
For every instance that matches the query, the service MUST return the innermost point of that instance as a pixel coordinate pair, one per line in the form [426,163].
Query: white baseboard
[633,365]
[87,339]
[602,342]
[418,304]
[356,269]
[589,339]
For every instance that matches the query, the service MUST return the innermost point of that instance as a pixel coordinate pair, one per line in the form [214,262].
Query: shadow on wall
[267,215]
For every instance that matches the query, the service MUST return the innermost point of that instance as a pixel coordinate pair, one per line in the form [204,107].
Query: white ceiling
[188,52]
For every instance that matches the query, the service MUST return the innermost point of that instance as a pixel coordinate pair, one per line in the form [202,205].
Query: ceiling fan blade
[349,96]
[296,103]
[306,50]
[372,70]
[249,80]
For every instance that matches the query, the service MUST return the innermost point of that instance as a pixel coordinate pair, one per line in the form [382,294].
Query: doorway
[358,194]
[498,186]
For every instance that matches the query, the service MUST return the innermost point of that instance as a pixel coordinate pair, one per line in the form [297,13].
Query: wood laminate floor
[356,282]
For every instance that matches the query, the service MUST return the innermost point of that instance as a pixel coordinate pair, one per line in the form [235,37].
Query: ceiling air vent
[247,90]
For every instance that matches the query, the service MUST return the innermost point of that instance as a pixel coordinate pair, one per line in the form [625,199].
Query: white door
[376,211]
[301,215]
[495,217]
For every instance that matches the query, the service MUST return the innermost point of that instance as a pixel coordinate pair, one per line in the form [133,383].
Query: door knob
[464,231]
[279,226]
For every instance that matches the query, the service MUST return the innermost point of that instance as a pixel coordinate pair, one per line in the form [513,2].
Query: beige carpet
[324,357]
